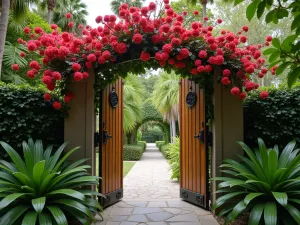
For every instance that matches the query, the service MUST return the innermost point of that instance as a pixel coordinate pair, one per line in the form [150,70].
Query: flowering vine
[153,36]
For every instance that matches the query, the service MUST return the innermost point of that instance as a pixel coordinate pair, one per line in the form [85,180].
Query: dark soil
[242,220]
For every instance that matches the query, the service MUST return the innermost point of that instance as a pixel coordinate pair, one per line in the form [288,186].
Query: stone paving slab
[151,198]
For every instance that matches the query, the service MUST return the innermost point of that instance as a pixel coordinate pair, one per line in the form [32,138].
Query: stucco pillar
[228,128]
[80,123]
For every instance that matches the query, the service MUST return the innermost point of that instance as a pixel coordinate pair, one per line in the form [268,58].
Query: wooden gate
[111,143]
[193,145]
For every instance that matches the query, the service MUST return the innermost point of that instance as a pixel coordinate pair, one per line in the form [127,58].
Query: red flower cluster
[165,40]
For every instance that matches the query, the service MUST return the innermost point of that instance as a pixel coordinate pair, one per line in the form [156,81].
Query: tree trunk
[49,16]
[204,8]
[173,129]
[51,7]
[171,135]
[3,28]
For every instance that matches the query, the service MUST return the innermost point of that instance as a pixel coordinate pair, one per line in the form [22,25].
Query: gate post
[228,128]
[81,121]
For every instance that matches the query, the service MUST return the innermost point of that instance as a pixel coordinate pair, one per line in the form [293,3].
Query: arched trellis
[146,38]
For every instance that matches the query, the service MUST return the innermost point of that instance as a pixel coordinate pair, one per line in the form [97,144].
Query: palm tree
[50,5]
[18,9]
[134,94]
[165,98]
[204,7]
[78,10]
[115,4]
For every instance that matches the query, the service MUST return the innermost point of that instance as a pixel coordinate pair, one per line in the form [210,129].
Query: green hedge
[133,152]
[164,149]
[151,136]
[143,143]
[276,120]
[159,143]
[24,114]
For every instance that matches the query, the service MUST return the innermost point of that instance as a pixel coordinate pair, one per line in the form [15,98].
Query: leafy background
[24,114]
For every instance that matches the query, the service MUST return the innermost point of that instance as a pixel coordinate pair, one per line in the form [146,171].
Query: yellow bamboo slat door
[193,145]
[111,143]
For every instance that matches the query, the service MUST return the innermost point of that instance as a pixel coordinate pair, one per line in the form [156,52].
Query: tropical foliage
[149,42]
[174,153]
[265,183]
[165,98]
[284,54]
[134,94]
[43,189]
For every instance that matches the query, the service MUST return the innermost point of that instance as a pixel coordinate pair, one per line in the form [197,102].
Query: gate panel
[193,150]
[111,143]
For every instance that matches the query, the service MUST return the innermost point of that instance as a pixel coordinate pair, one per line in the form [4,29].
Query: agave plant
[265,184]
[43,189]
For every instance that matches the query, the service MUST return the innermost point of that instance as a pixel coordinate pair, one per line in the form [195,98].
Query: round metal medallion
[191,99]
[113,99]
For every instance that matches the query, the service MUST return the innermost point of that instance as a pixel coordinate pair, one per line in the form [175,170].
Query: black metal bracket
[106,136]
[111,198]
[200,136]
[194,198]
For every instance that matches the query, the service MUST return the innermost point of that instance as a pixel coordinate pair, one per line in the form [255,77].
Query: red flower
[27,30]
[243,39]
[269,38]
[167,48]
[194,71]
[70,24]
[22,54]
[56,105]
[56,75]
[206,18]
[31,46]
[264,70]
[176,41]
[38,30]
[46,79]
[225,81]
[145,56]
[184,52]
[15,67]
[158,56]
[68,15]
[85,75]
[202,54]
[76,66]
[245,28]
[34,65]
[198,62]
[106,54]
[219,21]
[98,19]
[264,94]
[226,73]
[68,97]
[31,73]
[121,48]
[196,12]
[208,68]
[235,91]
[137,38]
[91,58]
[78,76]
[53,26]
[47,97]
[243,95]
[152,6]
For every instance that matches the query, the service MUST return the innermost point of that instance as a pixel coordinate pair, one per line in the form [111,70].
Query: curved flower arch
[153,36]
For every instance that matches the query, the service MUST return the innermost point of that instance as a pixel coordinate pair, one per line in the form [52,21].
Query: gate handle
[106,136]
[200,136]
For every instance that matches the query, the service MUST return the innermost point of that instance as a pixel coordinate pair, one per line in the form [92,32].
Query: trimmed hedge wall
[276,119]
[163,148]
[24,114]
[133,152]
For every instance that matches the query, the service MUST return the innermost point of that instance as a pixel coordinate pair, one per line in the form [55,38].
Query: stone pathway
[150,197]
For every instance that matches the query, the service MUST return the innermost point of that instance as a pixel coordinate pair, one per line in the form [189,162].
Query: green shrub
[133,152]
[159,143]
[44,188]
[139,135]
[174,153]
[265,184]
[164,149]
[153,135]
[25,114]
[276,119]
[143,143]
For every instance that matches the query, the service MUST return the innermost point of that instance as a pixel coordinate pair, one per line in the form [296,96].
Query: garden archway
[143,39]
